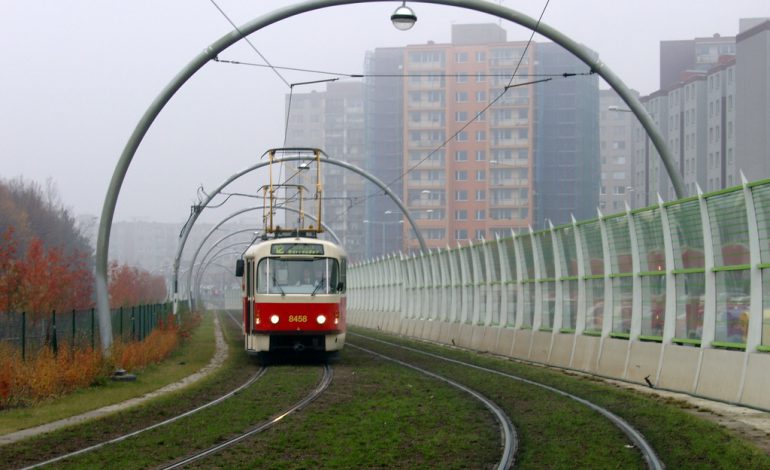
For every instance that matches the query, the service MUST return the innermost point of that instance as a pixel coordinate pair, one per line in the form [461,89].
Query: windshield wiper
[318,286]
[275,284]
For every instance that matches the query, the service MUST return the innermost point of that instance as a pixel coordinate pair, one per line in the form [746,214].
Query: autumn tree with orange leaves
[133,286]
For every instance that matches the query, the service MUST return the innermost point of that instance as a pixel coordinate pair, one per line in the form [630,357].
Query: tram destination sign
[307,249]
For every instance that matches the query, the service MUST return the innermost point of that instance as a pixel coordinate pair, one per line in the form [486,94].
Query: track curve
[326,380]
[510,438]
[647,451]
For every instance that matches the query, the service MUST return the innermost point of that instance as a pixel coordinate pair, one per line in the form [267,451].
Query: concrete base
[643,362]
[465,336]
[489,339]
[504,341]
[586,352]
[521,343]
[755,391]
[541,345]
[680,364]
[613,357]
[720,374]
[561,351]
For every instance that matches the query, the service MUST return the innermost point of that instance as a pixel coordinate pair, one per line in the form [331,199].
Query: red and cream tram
[293,295]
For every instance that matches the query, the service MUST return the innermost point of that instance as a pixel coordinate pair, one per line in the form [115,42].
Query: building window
[481,96]
[461,234]
[480,233]
[481,136]
[461,195]
[480,214]
[481,175]
[462,136]
[461,96]
[461,156]
[434,233]
[461,175]
[461,57]
[481,195]
[461,116]
[481,155]
[481,56]
[461,214]
[480,77]
[462,77]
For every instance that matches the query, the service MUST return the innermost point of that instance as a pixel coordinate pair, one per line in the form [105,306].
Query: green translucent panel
[482,272]
[494,250]
[732,310]
[529,262]
[529,303]
[766,307]
[653,305]
[548,290]
[419,275]
[690,305]
[622,293]
[568,251]
[761,196]
[729,229]
[547,268]
[594,304]
[569,304]
[593,254]
[687,234]
[620,245]
[649,238]
[510,253]
[510,308]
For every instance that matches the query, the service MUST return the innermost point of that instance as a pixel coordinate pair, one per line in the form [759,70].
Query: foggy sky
[76,77]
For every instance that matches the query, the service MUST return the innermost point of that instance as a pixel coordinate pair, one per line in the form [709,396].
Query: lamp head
[403,18]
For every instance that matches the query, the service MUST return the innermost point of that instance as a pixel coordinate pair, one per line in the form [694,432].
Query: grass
[376,415]
[194,354]
[680,439]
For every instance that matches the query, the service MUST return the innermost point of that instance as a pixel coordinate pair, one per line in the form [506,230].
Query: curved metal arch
[327,159]
[209,53]
[214,228]
[204,264]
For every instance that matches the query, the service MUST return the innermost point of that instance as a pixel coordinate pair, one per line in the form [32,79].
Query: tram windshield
[297,276]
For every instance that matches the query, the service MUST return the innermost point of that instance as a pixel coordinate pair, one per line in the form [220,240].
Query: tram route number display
[297,318]
[297,249]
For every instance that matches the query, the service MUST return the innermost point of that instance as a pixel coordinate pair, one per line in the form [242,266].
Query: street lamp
[403,18]
[618,109]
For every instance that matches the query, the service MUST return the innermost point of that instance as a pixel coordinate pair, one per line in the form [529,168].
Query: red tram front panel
[270,317]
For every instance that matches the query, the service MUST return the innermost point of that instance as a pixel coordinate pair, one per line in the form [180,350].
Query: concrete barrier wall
[677,295]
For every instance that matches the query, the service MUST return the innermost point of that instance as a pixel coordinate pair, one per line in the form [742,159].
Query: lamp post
[383,224]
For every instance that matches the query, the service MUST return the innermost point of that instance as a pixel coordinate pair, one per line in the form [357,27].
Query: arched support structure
[214,229]
[211,52]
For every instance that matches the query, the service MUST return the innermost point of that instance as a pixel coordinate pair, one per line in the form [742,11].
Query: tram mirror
[239,268]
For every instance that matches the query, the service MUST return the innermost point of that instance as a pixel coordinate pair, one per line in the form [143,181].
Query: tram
[293,286]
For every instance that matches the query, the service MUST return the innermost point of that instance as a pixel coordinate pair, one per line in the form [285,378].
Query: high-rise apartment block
[713,115]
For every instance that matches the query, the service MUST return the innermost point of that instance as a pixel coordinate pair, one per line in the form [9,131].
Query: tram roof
[264,248]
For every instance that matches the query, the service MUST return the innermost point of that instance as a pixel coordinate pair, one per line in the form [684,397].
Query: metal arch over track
[331,161]
[209,53]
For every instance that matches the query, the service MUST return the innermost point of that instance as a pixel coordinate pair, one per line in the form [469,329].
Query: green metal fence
[78,328]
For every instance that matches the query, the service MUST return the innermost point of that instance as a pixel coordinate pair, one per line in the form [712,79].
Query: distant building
[566,146]
[713,117]
[333,120]
[616,154]
[752,103]
[691,55]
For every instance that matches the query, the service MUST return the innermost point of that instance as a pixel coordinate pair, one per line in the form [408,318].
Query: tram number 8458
[297,318]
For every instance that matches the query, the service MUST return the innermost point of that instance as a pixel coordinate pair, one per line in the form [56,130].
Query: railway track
[508,432]
[320,388]
[649,455]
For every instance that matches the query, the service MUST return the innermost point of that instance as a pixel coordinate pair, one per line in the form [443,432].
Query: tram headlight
[321,319]
[274,319]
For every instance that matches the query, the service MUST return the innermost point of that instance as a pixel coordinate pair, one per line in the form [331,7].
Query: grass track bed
[680,439]
[375,415]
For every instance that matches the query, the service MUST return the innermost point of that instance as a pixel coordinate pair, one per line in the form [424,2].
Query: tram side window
[249,278]
[262,270]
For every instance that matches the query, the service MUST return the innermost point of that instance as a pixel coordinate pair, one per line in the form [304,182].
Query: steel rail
[326,380]
[647,451]
[508,431]
[248,383]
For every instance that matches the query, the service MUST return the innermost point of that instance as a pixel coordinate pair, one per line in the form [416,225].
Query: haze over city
[78,75]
